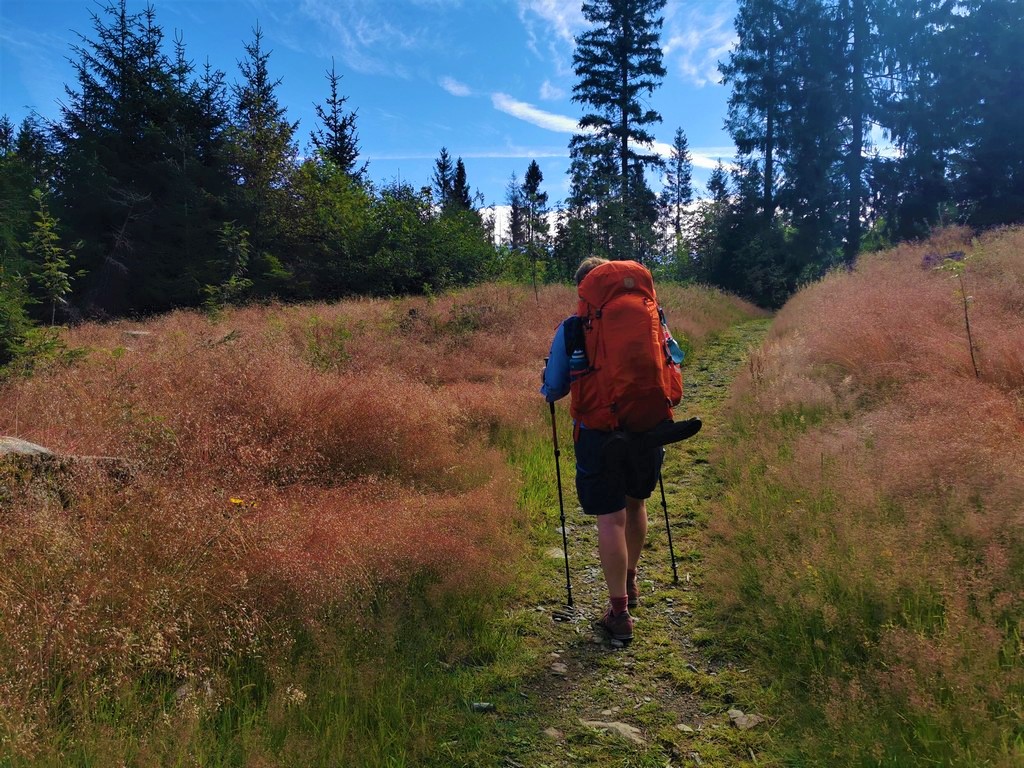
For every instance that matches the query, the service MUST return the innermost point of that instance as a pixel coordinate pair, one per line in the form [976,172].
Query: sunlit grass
[868,553]
[317,518]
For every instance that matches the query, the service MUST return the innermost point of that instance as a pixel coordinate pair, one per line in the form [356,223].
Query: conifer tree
[263,152]
[34,147]
[911,188]
[618,62]
[233,265]
[336,139]
[536,206]
[6,136]
[718,184]
[14,319]
[757,71]
[16,183]
[710,228]
[978,80]
[677,193]
[863,71]
[124,160]
[49,259]
[26,163]
[444,178]
[518,214]
[811,164]
[461,197]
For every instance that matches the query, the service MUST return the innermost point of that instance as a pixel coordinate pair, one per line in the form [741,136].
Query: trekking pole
[668,529]
[561,504]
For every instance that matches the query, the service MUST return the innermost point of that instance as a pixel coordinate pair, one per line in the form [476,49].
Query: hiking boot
[619,626]
[632,592]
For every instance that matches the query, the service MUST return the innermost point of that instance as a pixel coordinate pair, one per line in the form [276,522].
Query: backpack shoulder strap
[572,334]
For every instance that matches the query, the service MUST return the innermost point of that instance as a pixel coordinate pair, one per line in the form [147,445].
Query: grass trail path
[665,685]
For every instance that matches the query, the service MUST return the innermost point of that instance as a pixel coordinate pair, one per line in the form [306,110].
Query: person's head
[587,266]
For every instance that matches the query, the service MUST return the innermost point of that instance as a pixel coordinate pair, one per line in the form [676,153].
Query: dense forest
[858,123]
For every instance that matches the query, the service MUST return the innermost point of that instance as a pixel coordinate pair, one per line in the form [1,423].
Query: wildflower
[294,696]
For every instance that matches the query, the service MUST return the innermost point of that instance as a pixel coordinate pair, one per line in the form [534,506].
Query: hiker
[628,381]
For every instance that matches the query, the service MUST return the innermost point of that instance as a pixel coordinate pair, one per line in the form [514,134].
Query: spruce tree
[709,230]
[864,71]
[444,178]
[757,72]
[126,155]
[26,163]
[536,217]
[336,138]
[910,188]
[263,158]
[718,184]
[6,136]
[979,80]
[536,207]
[461,197]
[16,184]
[677,193]
[34,147]
[517,223]
[618,62]
[50,261]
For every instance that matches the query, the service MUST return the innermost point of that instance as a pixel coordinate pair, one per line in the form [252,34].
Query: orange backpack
[631,382]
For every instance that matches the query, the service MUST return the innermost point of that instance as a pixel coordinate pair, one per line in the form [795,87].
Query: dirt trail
[664,684]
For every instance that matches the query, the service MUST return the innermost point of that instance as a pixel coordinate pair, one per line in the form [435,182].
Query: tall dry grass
[872,540]
[293,469]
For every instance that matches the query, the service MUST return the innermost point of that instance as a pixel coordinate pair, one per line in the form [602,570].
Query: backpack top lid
[612,278]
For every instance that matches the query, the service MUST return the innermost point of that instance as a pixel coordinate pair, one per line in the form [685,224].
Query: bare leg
[611,546]
[636,530]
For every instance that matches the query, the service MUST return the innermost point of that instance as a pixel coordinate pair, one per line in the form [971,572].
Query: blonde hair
[587,266]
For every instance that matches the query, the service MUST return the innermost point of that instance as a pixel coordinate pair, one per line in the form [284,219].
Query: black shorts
[602,487]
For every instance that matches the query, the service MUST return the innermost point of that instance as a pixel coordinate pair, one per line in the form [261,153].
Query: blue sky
[491,80]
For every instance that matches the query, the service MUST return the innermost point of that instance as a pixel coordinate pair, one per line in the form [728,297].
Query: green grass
[394,686]
[387,691]
[819,638]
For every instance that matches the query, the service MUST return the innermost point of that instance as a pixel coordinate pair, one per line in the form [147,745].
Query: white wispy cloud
[702,157]
[562,19]
[695,40]
[551,27]
[365,37]
[35,55]
[454,87]
[531,114]
[550,92]
[511,153]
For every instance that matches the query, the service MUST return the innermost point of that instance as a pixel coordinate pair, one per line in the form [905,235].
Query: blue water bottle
[577,363]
